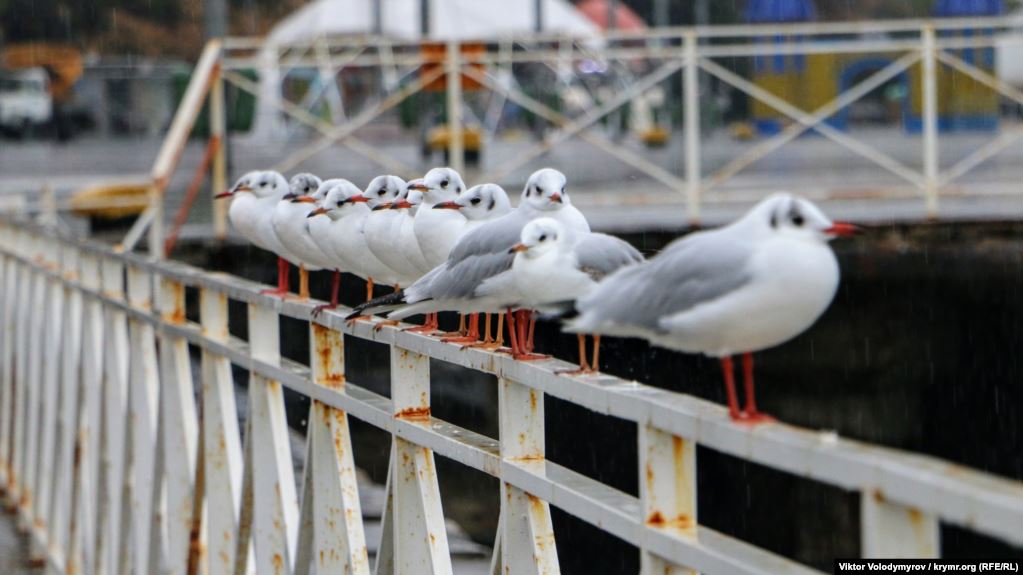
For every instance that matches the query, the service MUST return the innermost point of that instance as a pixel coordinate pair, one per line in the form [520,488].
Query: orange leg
[750,412]
[335,289]
[429,326]
[518,328]
[733,400]
[585,367]
[282,278]
[472,335]
[369,289]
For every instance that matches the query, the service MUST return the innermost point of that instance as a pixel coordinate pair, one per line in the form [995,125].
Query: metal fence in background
[118,461]
[641,62]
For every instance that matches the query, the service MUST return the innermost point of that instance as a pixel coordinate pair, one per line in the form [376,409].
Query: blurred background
[831,99]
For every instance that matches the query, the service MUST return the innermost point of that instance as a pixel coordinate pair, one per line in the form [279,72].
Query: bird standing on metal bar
[748,286]
[437,231]
[555,266]
[345,239]
[292,229]
[380,226]
[255,196]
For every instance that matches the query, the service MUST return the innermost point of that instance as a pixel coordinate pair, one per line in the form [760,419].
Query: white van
[25,99]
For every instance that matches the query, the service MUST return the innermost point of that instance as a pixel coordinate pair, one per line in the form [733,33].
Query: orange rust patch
[278,563]
[656,519]
[676,446]
[433,539]
[36,563]
[532,399]
[915,516]
[878,496]
[414,413]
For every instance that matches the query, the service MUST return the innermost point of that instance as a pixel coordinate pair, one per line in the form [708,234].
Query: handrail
[902,494]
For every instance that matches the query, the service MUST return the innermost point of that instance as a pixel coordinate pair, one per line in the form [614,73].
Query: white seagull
[748,286]
[255,196]
[345,239]
[292,229]
[438,231]
[554,266]
[382,226]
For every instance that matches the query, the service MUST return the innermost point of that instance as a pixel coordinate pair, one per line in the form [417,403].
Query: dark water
[919,351]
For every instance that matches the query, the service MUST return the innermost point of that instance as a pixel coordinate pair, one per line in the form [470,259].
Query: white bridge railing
[118,461]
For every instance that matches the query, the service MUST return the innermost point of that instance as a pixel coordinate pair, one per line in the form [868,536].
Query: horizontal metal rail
[98,501]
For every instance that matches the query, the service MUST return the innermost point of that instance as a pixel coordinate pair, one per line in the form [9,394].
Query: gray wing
[461,279]
[696,269]
[600,255]
[493,237]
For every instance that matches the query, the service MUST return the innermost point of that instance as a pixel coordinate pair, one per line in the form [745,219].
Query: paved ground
[616,196]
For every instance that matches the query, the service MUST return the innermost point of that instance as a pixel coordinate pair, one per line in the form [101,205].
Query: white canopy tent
[401,19]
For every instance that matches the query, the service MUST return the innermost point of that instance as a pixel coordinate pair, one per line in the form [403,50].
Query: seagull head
[482,202]
[796,217]
[381,192]
[539,237]
[440,185]
[337,201]
[270,184]
[304,184]
[244,184]
[545,190]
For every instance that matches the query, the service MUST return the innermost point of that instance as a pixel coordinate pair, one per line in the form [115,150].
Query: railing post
[222,451]
[82,557]
[930,120]
[34,317]
[186,540]
[456,142]
[691,107]
[22,310]
[667,491]
[891,530]
[218,132]
[527,535]
[52,320]
[338,540]
[275,512]
[420,538]
[144,406]
[66,468]
[115,388]
[7,347]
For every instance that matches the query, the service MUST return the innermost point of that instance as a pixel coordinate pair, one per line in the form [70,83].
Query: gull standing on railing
[256,194]
[479,204]
[437,232]
[382,225]
[554,266]
[319,228]
[345,239]
[292,229]
[748,286]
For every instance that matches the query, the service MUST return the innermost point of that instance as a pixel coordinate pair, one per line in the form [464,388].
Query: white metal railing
[667,51]
[112,468]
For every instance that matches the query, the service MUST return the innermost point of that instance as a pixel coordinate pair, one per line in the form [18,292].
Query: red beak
[556,197]
[226,194]
[843,229]
[401,204]
[447,206]
[304,200]
[518,248]
[358,198]
[316,212]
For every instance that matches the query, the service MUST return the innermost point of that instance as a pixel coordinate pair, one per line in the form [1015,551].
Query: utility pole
[378,17]
[538,16]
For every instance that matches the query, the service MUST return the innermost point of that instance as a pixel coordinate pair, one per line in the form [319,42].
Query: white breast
[793,283]
[437,231]
[289,223]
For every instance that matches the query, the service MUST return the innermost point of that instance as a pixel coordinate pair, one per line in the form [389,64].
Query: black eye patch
[474,201]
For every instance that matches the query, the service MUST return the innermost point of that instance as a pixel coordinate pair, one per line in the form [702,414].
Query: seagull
[319,229]
[406,244]
[255,196]
[438,231]
[382,226]
[748,286]
[292,229]
[476,278]
[479,204]
[345,206]
[553,267]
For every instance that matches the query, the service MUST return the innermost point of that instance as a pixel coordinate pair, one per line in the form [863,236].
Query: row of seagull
[446,247]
